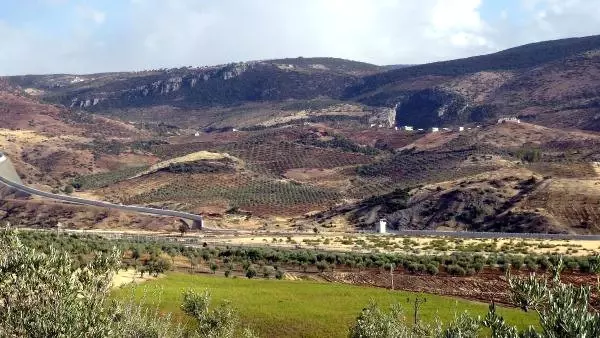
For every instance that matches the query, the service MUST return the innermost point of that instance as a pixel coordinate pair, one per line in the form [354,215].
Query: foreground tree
[51,295]
[219,322]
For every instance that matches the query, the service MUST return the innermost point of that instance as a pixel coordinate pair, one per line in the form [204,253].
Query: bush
[517,262]
[432,269]
[373,322]
[529,154]
[322,266]
[251,272]
[157,265]
[213,267]
[218,322]
[456,270]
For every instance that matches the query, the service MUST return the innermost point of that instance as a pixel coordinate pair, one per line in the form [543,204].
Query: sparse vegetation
[563,310]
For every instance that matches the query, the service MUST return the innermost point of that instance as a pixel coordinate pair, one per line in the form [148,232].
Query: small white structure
[197,134]
[373,125]
[509,119]
[381,226]
[396,128]
[408,128]
[435,129]
[446,129]
[234,129]
[461,128]
[421,129]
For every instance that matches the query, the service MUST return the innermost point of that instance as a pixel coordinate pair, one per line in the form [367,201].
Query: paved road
[83,201]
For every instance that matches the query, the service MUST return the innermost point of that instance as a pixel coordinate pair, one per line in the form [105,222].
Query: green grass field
[275,308]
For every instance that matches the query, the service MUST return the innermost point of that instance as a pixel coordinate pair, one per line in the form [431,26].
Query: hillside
[551,83]
[554,83]
[280,143]
[49,143]
[187,87]
[507,178]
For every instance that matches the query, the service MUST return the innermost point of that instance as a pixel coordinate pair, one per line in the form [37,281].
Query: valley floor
[285,308]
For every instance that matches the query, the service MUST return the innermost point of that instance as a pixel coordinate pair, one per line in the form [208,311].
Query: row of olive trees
[142,252]
[563,310]
[51,295]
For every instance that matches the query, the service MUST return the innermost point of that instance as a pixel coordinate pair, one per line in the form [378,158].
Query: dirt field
[401,244]
[128,277]
[487,286]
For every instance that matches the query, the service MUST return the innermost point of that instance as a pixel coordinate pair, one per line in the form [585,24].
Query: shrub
[563,311]
[322,266]
[516,262]
[251,272]
[456,270]
[213,267]
[432,269]
[220,321]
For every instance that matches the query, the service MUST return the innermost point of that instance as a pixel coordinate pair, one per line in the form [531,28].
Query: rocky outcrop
[194,87]
[432,107]
[383,117]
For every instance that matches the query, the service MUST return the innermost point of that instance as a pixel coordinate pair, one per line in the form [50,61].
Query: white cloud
[91,14]
[157,33]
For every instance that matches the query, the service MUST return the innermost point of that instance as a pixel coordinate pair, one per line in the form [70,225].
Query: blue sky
[85,36]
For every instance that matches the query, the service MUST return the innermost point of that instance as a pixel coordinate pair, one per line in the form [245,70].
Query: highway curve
[8,179]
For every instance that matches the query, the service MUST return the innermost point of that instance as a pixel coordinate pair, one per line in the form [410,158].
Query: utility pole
[392,266]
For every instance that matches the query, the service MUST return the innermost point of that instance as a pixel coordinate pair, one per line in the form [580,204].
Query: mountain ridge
[549,83]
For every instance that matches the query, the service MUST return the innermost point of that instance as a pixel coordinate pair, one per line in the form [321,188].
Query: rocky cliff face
[201,87]
[432,107]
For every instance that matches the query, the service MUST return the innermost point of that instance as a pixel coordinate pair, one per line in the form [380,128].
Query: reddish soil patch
[487,286]
[382,137]
[46,214]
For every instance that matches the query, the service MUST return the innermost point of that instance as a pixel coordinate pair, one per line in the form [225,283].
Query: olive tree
[45,295]
[50,295]
[216,322]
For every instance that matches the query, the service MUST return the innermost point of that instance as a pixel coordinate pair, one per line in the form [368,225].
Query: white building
[509,119]
[446,129]
[381,226]
[197,134]
[435,129]
[396,128]
[234,129]
[408,128]
[461,128]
